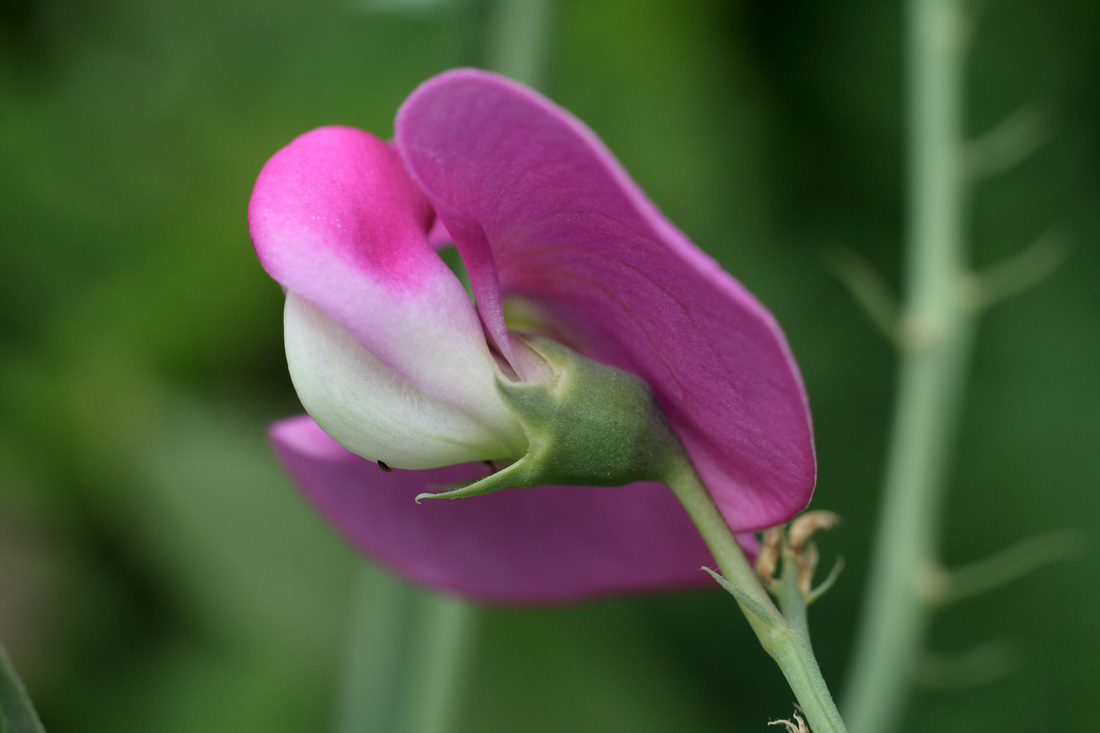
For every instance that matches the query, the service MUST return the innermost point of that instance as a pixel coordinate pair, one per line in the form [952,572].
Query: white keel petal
[379,414]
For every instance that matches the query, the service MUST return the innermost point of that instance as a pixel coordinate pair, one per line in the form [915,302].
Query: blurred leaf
[245,548]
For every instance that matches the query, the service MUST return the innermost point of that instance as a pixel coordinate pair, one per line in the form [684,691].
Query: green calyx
[588,425]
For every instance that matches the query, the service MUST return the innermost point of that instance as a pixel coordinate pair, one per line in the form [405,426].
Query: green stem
[408,657]
[791,602]
[938,334]
[443,663]
[519,39]
[379,638]
[782,642]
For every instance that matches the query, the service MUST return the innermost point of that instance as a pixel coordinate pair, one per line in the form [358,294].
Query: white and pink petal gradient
[394,362]
[384,346]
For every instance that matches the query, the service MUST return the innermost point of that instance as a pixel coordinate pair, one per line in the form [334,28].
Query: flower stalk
[786,644]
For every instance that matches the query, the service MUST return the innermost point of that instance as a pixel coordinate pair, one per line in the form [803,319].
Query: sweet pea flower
[399,370]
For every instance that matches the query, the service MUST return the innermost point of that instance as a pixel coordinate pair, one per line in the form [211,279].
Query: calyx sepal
[588,424]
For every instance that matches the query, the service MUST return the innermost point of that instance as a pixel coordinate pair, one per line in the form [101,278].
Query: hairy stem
[937,334]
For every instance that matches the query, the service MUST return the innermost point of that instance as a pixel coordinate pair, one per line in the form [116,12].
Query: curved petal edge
[550,544]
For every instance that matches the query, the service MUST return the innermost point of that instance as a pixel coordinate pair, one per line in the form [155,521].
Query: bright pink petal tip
[336,219]
[333,209]
[338,222]
[551,544]
[540,209]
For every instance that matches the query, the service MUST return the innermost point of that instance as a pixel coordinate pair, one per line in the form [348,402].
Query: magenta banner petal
[550,544]
[540,209]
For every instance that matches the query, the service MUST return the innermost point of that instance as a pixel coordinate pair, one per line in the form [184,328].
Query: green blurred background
[157,572]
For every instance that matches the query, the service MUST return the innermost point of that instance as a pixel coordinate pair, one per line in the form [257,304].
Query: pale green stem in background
[377,653]
[519,39]
[780,640]
[937,331]
[408,658]
[442,662]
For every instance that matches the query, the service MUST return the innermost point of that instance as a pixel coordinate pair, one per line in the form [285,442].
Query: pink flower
[394,362]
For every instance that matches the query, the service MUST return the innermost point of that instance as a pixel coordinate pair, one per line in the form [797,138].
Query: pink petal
[539,208]
[337,220]
[551,544]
